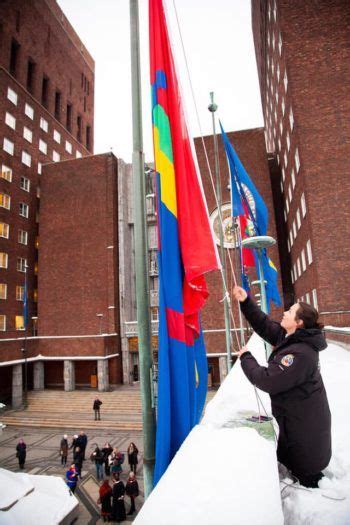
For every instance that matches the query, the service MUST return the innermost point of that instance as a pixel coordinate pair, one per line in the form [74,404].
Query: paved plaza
[43,458]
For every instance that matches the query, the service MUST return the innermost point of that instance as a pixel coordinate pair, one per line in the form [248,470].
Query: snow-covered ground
[226,472]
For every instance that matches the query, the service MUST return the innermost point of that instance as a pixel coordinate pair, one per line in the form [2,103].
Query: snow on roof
[226,473]
[31,499]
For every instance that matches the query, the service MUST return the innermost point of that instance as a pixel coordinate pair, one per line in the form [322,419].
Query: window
[292,276]
[88,137]
[307,298]
[291,119]
[21,264]
[57,136]
[14,55]
[4,230]
[24,210]
[292,176]
[45,91]
[35,295]
[29,111]
[78,154]
[10,120]
[287,205]
[8,146]
[22,237]
[279,144]
[291,238]
[288,141]
[3,260]
[2,323]
[19,322]
[79,128]
[6,173]
[303,204]
[44,125]
[285,159]
[57,105]
[39,168]
[285,81]
[19,293]
[42,146]
[303,260]
[281,127]
[309,252]
[68,147]
[12,96]
[297,160]
[38,192]
[290,195]
[282,187]
[299,267]
[30,75]
[154,313]
[280,44]
[27,134]
[56,156]
[283,106]
[26,159]
[294,230]
[278,73]
[314,298]
[3,291]
[298,219]
[283,174]
[25,184]
[69,117]
[5,201]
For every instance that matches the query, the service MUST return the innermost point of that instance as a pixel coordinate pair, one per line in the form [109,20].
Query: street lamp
[35,325]
[100,316]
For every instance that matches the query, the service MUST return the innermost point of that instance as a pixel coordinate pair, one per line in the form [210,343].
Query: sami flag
[186,252]
[253,207]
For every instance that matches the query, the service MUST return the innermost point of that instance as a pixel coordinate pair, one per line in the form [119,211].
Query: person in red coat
[104,500]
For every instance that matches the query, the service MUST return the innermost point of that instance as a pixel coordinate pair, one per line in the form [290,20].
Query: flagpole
[141,257]
[212,108]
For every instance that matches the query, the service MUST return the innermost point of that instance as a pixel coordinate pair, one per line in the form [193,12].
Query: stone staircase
[121,410]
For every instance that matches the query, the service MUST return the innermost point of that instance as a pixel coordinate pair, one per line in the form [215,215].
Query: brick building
[303,61]
[46,115]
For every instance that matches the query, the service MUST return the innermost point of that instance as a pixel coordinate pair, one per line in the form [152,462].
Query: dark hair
[309,315]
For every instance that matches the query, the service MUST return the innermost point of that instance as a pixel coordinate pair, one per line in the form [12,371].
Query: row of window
[5,233]
[294,171]
[19,322]
[9,147]
[5,202]
[296,224]
[6,173]
[308,296]
[29,111]
[10,120]
[19,292]
[21,262]
[300,265]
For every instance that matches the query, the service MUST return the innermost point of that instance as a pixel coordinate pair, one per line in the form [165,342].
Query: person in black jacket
[21,452]
[96,408]
[293,380]
[81,442]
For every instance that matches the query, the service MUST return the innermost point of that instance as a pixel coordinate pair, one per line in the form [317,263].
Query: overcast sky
[219,48]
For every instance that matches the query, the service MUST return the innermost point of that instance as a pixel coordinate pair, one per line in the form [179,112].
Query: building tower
[303,61]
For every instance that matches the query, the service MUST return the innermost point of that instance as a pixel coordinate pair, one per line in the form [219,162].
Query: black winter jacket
[298,397]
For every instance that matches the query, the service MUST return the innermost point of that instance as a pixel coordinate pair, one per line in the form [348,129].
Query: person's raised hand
[239,294]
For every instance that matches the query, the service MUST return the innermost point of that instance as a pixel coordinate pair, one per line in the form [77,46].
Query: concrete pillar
[69,375]
[17,386]
[102,375]
[127,377]
[222,368]
[38,371]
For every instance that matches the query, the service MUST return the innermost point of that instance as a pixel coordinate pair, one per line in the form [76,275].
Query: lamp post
[25,323]
[35,325]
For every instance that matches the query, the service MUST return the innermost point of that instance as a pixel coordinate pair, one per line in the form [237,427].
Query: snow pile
[226,473]
[34,499]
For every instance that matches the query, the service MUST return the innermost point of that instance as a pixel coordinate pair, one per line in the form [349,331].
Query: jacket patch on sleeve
[287,360]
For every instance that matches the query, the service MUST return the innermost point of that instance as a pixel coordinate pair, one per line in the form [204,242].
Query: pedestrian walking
[98,458]
[118,506]
[293,380]
[107,451]
[132,456]
[64,450]
[96,407]
[105,495]
[21,452]
[132,490]
[78,460]
[72,478]
[81,442]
